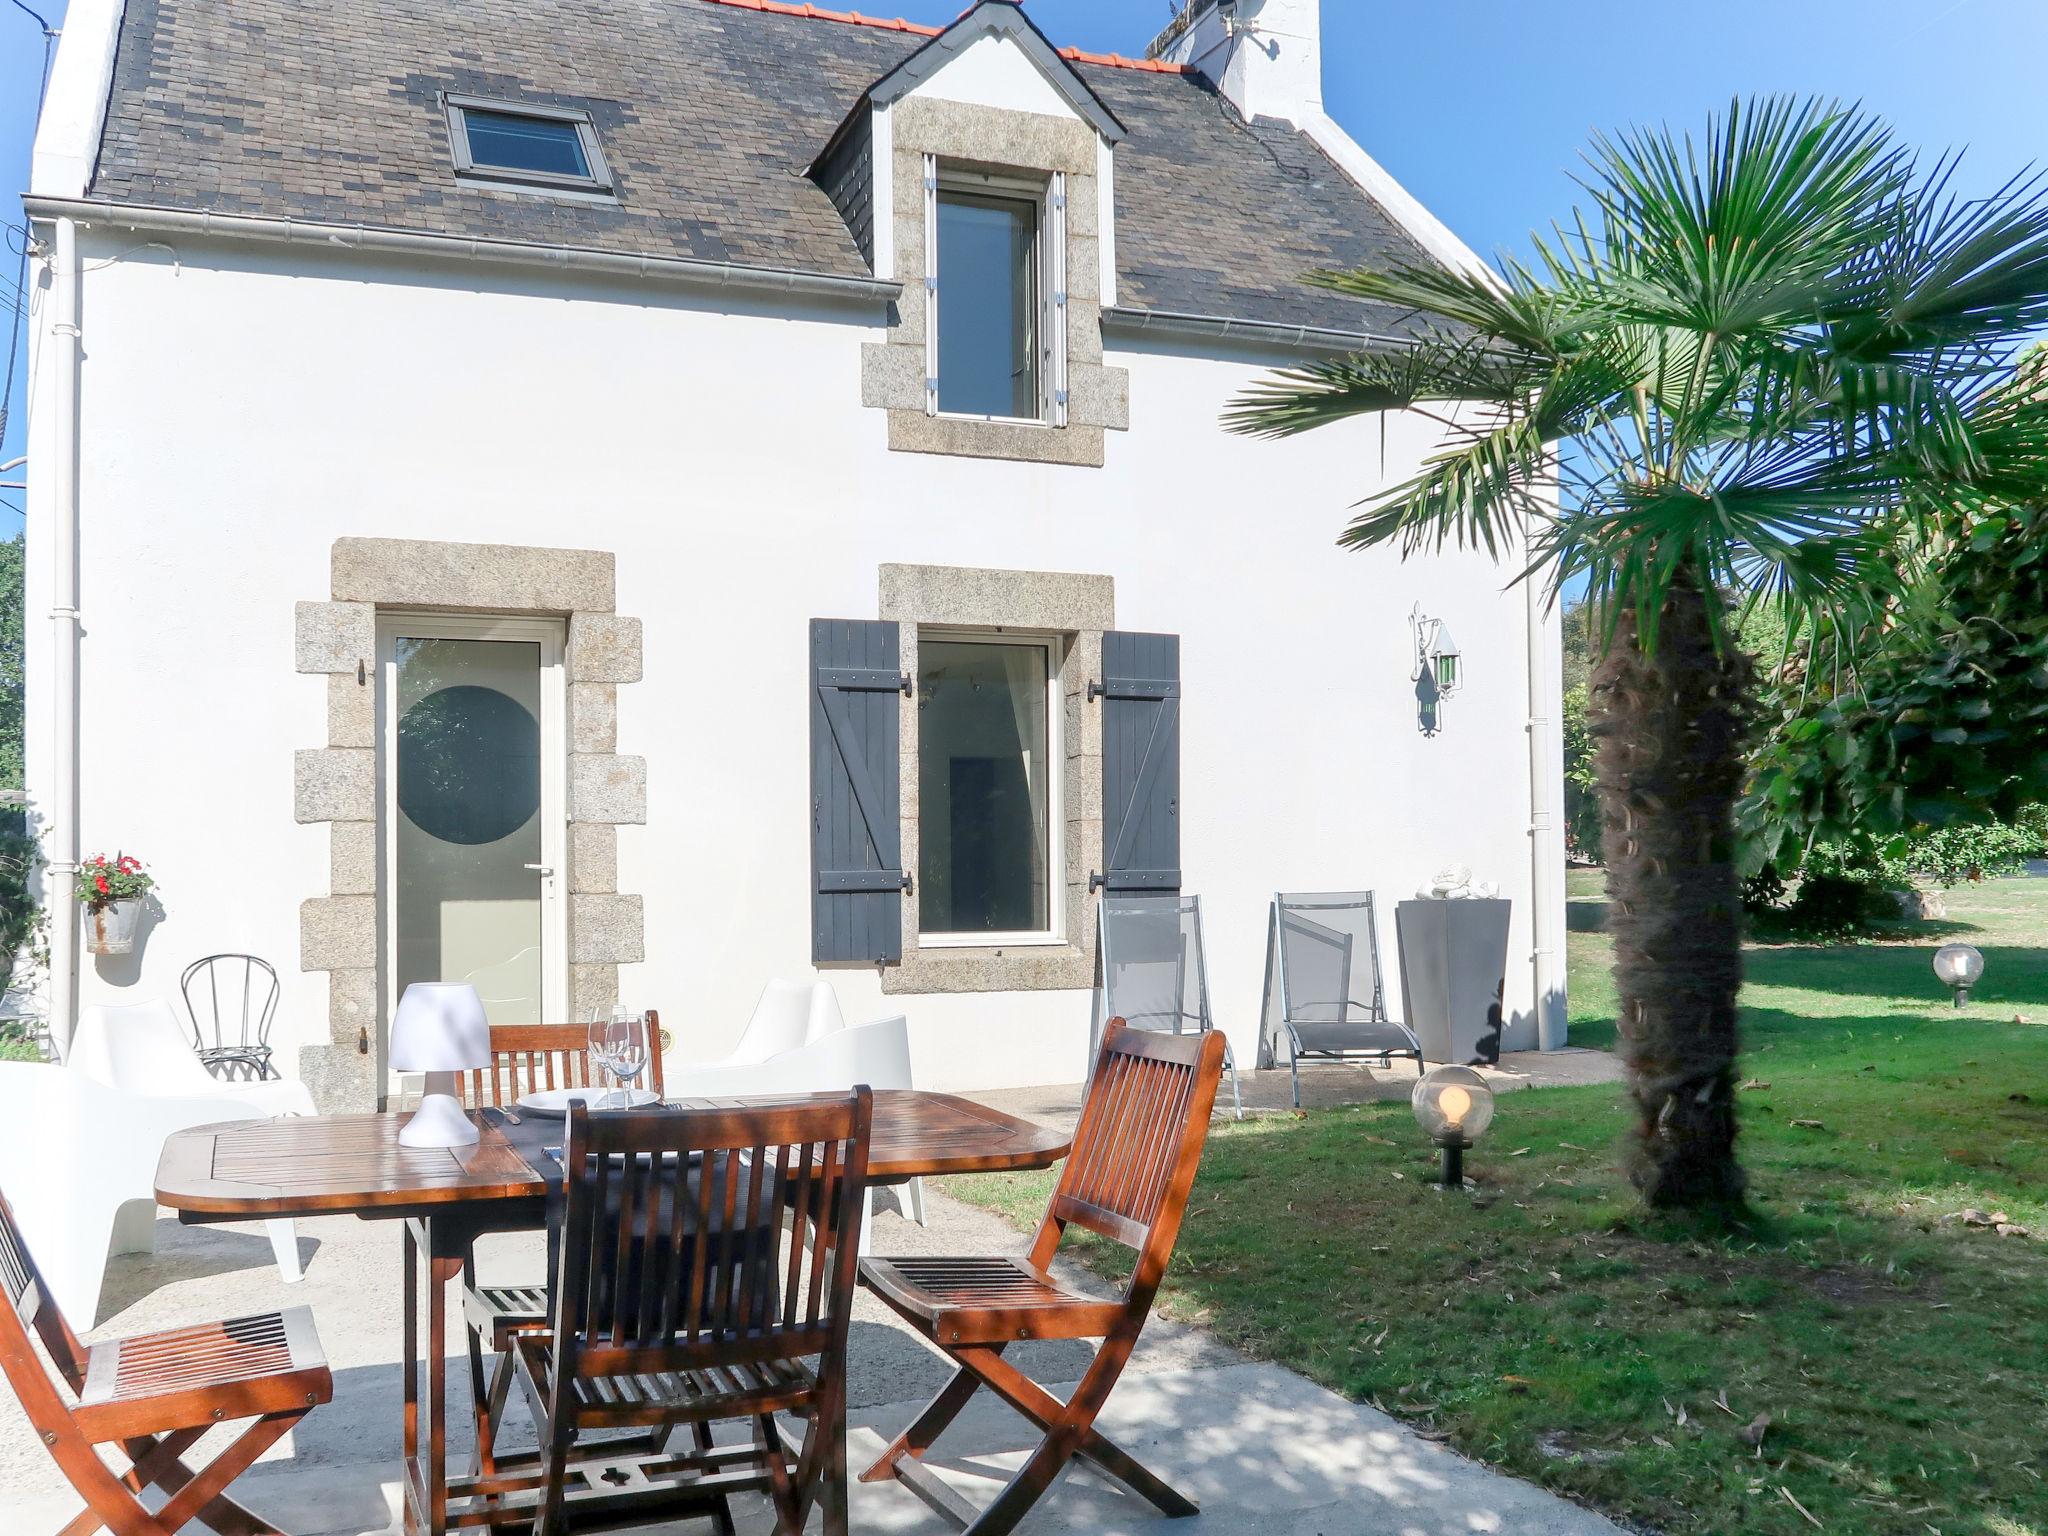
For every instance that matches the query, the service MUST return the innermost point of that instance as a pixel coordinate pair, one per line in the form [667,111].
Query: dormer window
[988,329]
[523,145]
[996,317]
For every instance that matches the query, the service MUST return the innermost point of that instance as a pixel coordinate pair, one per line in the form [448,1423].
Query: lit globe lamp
[1453,1106]
[1959,966]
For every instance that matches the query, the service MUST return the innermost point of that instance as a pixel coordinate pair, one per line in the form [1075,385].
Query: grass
[1547,1325]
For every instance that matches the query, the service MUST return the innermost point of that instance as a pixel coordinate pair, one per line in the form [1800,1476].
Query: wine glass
[626,1049]
[601,1065]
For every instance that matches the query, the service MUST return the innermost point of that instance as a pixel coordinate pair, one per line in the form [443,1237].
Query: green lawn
[1544,1324]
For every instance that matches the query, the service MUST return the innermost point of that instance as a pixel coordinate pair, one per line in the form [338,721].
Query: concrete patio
[1260,1448]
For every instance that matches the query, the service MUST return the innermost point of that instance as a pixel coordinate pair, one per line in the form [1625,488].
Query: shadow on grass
[1900,975]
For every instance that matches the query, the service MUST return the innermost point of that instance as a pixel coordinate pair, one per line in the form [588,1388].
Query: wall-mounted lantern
[1438,670]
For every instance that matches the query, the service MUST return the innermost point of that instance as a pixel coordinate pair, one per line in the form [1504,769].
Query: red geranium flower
[101,882]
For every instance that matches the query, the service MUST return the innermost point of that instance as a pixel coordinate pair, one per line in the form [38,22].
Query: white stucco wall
[241,410]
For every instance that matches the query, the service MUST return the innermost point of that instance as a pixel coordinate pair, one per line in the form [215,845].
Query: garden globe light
[1453,1106]
[1959,966]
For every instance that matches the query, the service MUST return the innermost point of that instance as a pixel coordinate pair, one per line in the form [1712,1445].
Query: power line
[32,16]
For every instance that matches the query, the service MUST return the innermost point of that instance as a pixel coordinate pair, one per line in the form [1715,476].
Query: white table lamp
[440,1030]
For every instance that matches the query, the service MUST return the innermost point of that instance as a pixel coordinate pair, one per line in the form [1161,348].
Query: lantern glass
[1958,965]
[1452,1105]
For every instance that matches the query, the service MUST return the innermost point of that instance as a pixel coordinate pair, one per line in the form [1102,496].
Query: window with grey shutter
[857,878]
[1140,693]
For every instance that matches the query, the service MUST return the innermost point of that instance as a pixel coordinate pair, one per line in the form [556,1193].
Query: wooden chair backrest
[1137,1147]
[529,1057]
[709,1276]
[29,1306]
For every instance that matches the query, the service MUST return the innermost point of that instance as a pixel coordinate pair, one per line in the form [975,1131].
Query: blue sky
[1480,107]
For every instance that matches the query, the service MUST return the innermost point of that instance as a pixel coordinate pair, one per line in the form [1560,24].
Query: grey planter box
[1454,966]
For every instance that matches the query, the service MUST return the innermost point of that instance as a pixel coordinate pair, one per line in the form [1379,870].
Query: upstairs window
[996,317]
[988,330]
[550,147]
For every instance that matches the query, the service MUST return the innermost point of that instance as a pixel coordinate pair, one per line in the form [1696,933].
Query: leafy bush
[1581,804]
[1844,889]
[2033,820]
[1953,854]
[21,919]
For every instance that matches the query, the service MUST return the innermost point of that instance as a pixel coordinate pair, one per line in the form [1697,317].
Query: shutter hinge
[904,685]
[1095,691]
[1095,882]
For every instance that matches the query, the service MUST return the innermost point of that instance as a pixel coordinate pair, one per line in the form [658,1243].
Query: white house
[631,498]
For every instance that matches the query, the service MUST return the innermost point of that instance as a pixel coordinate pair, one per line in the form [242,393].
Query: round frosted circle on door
[468,764]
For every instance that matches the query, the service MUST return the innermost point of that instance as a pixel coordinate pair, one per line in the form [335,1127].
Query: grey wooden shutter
[1140,693]
[857,879]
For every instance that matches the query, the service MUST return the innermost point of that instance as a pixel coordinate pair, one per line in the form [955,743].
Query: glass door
[472,810]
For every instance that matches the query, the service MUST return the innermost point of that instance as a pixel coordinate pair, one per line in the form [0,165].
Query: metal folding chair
[1325,995]
[1155,969]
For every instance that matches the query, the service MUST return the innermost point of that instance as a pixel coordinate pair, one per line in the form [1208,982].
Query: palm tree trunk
[1669,726]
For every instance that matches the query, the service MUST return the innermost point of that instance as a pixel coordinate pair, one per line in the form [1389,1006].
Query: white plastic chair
[876,1054]
[788,1014]
[141,1051]
[79,1163]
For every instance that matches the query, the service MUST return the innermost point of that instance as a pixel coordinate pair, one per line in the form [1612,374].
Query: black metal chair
[232,1001]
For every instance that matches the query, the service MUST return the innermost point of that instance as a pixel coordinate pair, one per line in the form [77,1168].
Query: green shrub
[21,919]
[1954,854]
[1581,804]
[2033,820]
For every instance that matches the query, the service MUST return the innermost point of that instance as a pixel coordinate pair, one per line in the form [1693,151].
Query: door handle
[542,870]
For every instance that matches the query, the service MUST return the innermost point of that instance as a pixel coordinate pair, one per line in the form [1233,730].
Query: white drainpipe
[1543,762]
[61,846]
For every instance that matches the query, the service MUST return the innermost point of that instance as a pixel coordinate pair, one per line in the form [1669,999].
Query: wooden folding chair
[1127,1179]
[524,1058]
[154,1395]
[680,1299]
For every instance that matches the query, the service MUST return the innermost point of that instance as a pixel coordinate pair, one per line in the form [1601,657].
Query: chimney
[1266,56]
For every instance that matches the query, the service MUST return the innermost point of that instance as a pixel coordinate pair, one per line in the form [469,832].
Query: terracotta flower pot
[110,930]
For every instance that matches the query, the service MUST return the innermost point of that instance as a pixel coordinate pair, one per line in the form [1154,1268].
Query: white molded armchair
[832,1060]
[78,1164]
[788,1014]
[141,1051]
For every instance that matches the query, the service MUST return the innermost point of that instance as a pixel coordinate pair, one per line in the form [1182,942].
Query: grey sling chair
[1154,970]
[1324,994]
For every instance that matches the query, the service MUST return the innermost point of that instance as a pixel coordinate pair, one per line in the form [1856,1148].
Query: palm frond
[1749,228]
[1435,371]
[1948,270]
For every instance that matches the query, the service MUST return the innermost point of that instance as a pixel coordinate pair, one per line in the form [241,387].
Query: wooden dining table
[333,1165]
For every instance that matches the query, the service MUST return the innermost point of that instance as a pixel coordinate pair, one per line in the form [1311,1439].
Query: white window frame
[1055,791]
[1049,194]
[552,638]
[598,181]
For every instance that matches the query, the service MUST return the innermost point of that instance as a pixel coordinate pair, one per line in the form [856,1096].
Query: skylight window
[544,147]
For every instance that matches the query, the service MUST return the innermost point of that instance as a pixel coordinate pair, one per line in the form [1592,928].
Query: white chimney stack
[1266,56]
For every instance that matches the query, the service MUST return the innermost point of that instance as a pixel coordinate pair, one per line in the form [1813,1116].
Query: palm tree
[1742,375]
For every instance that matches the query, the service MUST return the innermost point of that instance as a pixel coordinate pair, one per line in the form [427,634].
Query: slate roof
[708,114]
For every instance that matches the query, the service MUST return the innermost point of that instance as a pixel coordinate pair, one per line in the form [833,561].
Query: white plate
[556,1101]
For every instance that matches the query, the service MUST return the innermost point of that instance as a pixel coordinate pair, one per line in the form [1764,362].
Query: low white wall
[240,413]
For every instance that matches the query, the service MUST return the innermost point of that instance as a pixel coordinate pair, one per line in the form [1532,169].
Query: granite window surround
[1078,609]
[1028,144]
[336,638]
